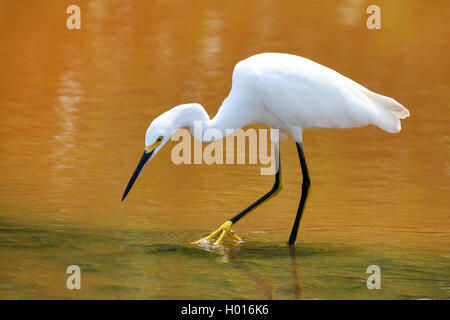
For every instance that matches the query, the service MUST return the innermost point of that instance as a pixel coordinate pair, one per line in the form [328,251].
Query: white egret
[284,92]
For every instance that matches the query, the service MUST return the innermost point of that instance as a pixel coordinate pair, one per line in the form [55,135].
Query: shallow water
[75,106]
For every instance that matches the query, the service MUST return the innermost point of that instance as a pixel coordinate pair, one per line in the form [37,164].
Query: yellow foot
[224,229]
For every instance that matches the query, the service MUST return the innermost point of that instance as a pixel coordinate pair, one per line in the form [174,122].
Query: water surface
[75,106]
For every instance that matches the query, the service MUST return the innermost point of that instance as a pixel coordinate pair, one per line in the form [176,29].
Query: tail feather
[388,112]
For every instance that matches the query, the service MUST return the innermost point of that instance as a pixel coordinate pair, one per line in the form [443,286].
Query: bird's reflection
[234,253]
[294,269]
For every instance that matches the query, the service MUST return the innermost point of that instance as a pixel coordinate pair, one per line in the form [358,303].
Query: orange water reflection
[75,106]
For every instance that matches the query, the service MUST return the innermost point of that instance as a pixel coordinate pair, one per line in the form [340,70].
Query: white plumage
[290,92]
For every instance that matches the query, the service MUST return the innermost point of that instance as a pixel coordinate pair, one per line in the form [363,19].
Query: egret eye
[159,138]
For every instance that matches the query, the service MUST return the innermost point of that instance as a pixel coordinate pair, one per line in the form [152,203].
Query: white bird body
[284,92]
[289,93]
[292,93]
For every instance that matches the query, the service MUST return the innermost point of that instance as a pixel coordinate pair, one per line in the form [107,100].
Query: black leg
[275,189]
[305,187]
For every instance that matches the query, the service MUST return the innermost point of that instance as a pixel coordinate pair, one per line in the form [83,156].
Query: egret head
[162,128]
[158,133]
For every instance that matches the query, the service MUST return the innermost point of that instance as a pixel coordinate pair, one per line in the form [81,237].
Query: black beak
[144,159]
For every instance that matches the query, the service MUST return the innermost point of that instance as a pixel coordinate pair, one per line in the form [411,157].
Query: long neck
[194,116]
